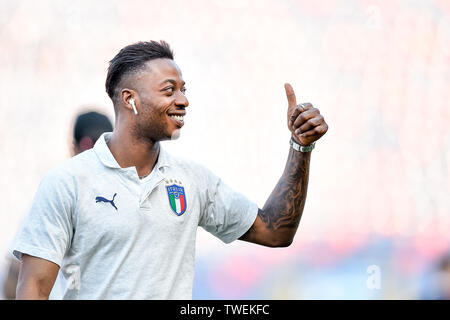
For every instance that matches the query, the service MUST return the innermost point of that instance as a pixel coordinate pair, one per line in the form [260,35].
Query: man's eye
[169,89]
[183,90]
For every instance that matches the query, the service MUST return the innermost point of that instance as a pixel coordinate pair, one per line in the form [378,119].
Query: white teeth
[179,118]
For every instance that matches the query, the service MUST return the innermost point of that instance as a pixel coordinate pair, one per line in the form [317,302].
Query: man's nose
[181,100]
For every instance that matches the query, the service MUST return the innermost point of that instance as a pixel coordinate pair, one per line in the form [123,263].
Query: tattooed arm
[277,222]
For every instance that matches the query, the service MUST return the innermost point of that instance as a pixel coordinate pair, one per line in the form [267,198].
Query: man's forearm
[283,209]
[277,222]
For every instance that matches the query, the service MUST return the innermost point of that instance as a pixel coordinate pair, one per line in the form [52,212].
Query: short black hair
[91,124]
[132,58]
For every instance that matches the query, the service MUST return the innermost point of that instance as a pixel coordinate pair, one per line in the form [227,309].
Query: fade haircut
[132,59]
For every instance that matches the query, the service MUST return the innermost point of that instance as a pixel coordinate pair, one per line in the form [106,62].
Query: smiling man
[119,221]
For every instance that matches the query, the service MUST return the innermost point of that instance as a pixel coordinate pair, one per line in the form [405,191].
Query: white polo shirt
[117,237]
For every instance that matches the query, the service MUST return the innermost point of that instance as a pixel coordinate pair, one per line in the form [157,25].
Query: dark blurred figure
[444,278]
[437,281]
[88,127]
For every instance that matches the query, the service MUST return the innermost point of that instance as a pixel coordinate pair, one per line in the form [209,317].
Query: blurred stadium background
[379,71]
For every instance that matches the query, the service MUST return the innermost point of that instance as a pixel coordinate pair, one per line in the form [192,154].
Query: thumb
[290,94]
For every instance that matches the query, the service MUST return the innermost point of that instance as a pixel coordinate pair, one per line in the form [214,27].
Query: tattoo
[284,207]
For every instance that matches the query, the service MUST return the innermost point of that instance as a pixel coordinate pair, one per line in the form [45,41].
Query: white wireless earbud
[133,105]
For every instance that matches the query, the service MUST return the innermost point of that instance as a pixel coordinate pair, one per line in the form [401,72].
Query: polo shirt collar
[108,160]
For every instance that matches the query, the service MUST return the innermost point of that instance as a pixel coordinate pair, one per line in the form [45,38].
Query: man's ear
[126,95]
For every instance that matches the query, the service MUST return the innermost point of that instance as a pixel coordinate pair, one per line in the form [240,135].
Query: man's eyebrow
[173,82]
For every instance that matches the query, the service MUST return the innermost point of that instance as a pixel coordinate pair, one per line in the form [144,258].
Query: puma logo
[101,199]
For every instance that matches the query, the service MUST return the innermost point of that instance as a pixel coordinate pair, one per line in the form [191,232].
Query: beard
[153,125]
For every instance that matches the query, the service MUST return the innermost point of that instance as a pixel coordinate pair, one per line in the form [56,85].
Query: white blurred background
[379,71]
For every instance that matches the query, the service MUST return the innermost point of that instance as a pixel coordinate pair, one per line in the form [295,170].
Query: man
[120,220]
[87,129]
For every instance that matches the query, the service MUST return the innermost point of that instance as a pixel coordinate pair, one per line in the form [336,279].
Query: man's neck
[132,152]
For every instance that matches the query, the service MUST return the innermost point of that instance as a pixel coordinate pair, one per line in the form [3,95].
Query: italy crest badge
[177,196]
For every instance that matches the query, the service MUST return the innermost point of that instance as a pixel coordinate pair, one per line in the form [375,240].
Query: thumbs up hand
[304,121]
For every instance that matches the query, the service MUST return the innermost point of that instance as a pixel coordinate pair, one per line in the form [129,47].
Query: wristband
[299,147]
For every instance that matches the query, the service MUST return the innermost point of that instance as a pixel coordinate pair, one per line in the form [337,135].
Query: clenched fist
[305,122]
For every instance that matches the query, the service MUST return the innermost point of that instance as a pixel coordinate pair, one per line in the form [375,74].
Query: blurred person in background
[444,278]
[88,127]
[120,220]
[436,284]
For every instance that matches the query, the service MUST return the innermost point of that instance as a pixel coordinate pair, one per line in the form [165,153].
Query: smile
[179,120]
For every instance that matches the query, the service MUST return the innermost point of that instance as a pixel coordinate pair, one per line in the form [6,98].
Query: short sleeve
[47,230]
[227,214]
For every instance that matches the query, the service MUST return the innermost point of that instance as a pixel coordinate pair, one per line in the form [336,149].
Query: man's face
[160,89]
